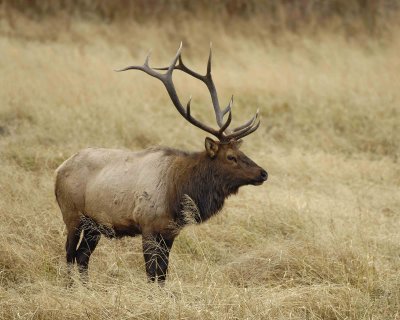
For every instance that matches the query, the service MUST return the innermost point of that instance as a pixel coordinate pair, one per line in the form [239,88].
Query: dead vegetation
[319,240]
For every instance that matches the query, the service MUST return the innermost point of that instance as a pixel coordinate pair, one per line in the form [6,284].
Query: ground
[319,240]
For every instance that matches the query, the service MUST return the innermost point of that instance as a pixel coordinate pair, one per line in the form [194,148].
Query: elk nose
[264,175]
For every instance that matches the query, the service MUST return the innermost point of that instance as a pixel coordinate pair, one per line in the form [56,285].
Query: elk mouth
[258,182]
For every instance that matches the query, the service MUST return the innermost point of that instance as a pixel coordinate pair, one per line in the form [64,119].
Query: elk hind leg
[73,236]
[90,239]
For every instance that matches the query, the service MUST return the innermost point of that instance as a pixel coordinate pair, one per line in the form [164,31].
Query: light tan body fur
[116,188]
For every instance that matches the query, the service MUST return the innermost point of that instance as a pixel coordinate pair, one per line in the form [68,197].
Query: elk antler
[223,134]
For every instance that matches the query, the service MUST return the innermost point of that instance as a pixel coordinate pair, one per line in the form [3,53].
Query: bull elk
[125,193]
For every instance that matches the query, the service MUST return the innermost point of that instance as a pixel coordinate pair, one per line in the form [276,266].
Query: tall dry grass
[319,240]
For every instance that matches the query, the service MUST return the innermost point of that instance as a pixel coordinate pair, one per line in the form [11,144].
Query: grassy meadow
[319,240]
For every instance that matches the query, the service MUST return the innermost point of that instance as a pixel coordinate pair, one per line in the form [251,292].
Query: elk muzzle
[263,176]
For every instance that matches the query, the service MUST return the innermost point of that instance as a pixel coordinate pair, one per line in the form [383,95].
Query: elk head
[235,165]
[225,151]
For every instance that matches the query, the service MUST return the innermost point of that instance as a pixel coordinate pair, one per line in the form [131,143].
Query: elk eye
[232,158]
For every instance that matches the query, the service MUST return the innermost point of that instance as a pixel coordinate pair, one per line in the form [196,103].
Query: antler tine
[145,68]
[224,127]
[243,130]
[209,60]
[229,107]
[188,107]
[173,63]
[240,136]
[182,67]
[208,80]
[146,62]
[226,124]
[248,123]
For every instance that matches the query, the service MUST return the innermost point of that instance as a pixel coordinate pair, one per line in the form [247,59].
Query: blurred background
[350,17]
[319,240]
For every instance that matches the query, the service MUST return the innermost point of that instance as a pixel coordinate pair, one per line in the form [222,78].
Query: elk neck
[203,180]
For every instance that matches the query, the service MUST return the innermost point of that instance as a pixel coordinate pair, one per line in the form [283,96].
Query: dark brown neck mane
[201,178]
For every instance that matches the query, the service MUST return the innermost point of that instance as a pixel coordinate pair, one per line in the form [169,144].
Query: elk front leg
[164,245]
[156,248]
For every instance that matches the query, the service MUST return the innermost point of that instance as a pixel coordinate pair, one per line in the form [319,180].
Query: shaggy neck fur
[202,179]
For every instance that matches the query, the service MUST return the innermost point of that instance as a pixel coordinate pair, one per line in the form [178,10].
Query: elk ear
[211,147]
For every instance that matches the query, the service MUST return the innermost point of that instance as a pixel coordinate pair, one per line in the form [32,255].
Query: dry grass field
[319,240]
